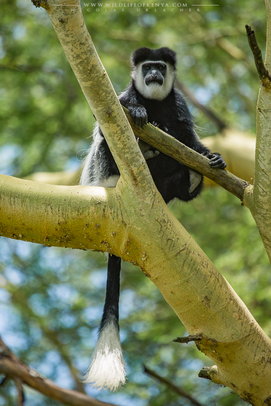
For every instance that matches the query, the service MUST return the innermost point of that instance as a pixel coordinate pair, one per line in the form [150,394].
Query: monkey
[150,97]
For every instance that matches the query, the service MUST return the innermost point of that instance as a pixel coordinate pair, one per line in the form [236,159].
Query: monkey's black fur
[146,54]
[152,69]
[172,116]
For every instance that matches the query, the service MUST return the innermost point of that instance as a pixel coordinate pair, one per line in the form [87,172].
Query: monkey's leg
[195,178]
[146,149]
[107,369]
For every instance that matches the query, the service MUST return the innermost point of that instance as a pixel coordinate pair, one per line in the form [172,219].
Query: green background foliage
[51,299]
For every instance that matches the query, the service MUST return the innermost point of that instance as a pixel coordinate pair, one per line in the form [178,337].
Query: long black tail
[107,369]
[111,306]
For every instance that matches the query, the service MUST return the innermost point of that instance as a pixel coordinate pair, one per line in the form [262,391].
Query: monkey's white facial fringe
[153,90]
[107,368]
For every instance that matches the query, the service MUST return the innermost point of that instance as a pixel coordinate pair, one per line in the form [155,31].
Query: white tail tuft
[107,368]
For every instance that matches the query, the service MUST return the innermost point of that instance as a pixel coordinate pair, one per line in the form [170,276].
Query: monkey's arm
[216,160]
[139,115]
[138,112]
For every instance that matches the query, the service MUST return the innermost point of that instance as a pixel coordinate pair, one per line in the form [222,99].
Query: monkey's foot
[195,179]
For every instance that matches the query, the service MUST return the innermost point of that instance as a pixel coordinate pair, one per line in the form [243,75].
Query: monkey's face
[154,79]
[154,73]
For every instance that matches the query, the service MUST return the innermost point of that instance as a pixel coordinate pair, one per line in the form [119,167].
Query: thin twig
[172,386]
[205,110]
[20,391]
[14,369]
[187,339]
[264,75]
[204,373]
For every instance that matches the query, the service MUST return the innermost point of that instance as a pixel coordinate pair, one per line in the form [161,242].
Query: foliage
[51,299]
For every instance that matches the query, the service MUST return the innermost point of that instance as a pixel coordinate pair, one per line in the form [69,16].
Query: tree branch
[171,385]
[181,153]
[258,199]
[205,110]
[264,75]
[187,339]
[20,373]
[240,159]
[18,297]
[65,178]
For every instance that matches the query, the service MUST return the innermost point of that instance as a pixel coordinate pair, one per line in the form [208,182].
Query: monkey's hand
[139,114]
[216,160]
[146,150]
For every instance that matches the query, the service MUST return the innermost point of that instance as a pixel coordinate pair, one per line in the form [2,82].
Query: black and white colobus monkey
[150,97]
